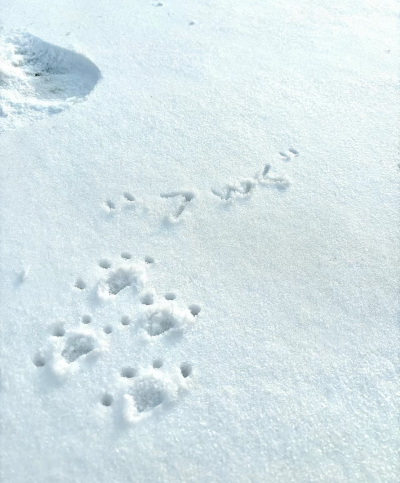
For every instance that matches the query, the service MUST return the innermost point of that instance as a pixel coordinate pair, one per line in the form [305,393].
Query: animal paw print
[289,154]
[141,394]
[114,281]
[68,350]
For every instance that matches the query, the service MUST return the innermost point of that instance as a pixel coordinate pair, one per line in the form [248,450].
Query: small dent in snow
[39,360]
[125,320]
[58,329]
[107,400]
[128,372]
[110,205]
[80,284]
[186,369]
[157,363]
[289,154]
[195,309]
[147,299]
[129,197]
[104,264]
[86,319]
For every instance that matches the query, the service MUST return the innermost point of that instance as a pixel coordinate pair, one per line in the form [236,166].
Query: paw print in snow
[68,350]
[152,391]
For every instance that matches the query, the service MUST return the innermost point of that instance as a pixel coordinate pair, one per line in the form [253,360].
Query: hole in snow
[107,400]
[39,360]
[128,372]
[195,309]
[125,320]
[58,330]
[126,255]
[86,319]
[170,296]
[186,369]
[147,299]
[108,329]
[149,259]
[157,363]
[129,197]
[80,284]
[111,205]
[104,264]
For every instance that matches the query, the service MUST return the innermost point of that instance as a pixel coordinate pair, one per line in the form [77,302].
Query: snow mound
[38,79]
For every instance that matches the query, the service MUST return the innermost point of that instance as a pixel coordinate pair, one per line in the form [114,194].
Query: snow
[39,79]
[199,241]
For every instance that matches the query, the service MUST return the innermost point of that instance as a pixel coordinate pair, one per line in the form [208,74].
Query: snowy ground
[199,241]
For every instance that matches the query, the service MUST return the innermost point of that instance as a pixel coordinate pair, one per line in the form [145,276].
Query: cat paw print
[68,350]
[141,394]
[126,274]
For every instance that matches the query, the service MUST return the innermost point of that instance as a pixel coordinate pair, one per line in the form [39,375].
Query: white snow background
[199,241]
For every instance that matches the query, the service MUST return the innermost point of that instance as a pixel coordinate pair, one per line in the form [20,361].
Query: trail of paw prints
[152,322]
[244,188]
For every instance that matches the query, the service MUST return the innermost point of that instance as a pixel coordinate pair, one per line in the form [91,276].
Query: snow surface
[200,258]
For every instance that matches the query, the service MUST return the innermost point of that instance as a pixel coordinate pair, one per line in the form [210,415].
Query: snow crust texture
[38,79]
[135,392]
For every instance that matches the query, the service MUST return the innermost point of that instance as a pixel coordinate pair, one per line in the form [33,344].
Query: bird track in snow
[242,188]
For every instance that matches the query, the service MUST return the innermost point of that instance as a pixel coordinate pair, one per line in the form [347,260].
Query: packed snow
[199,241]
